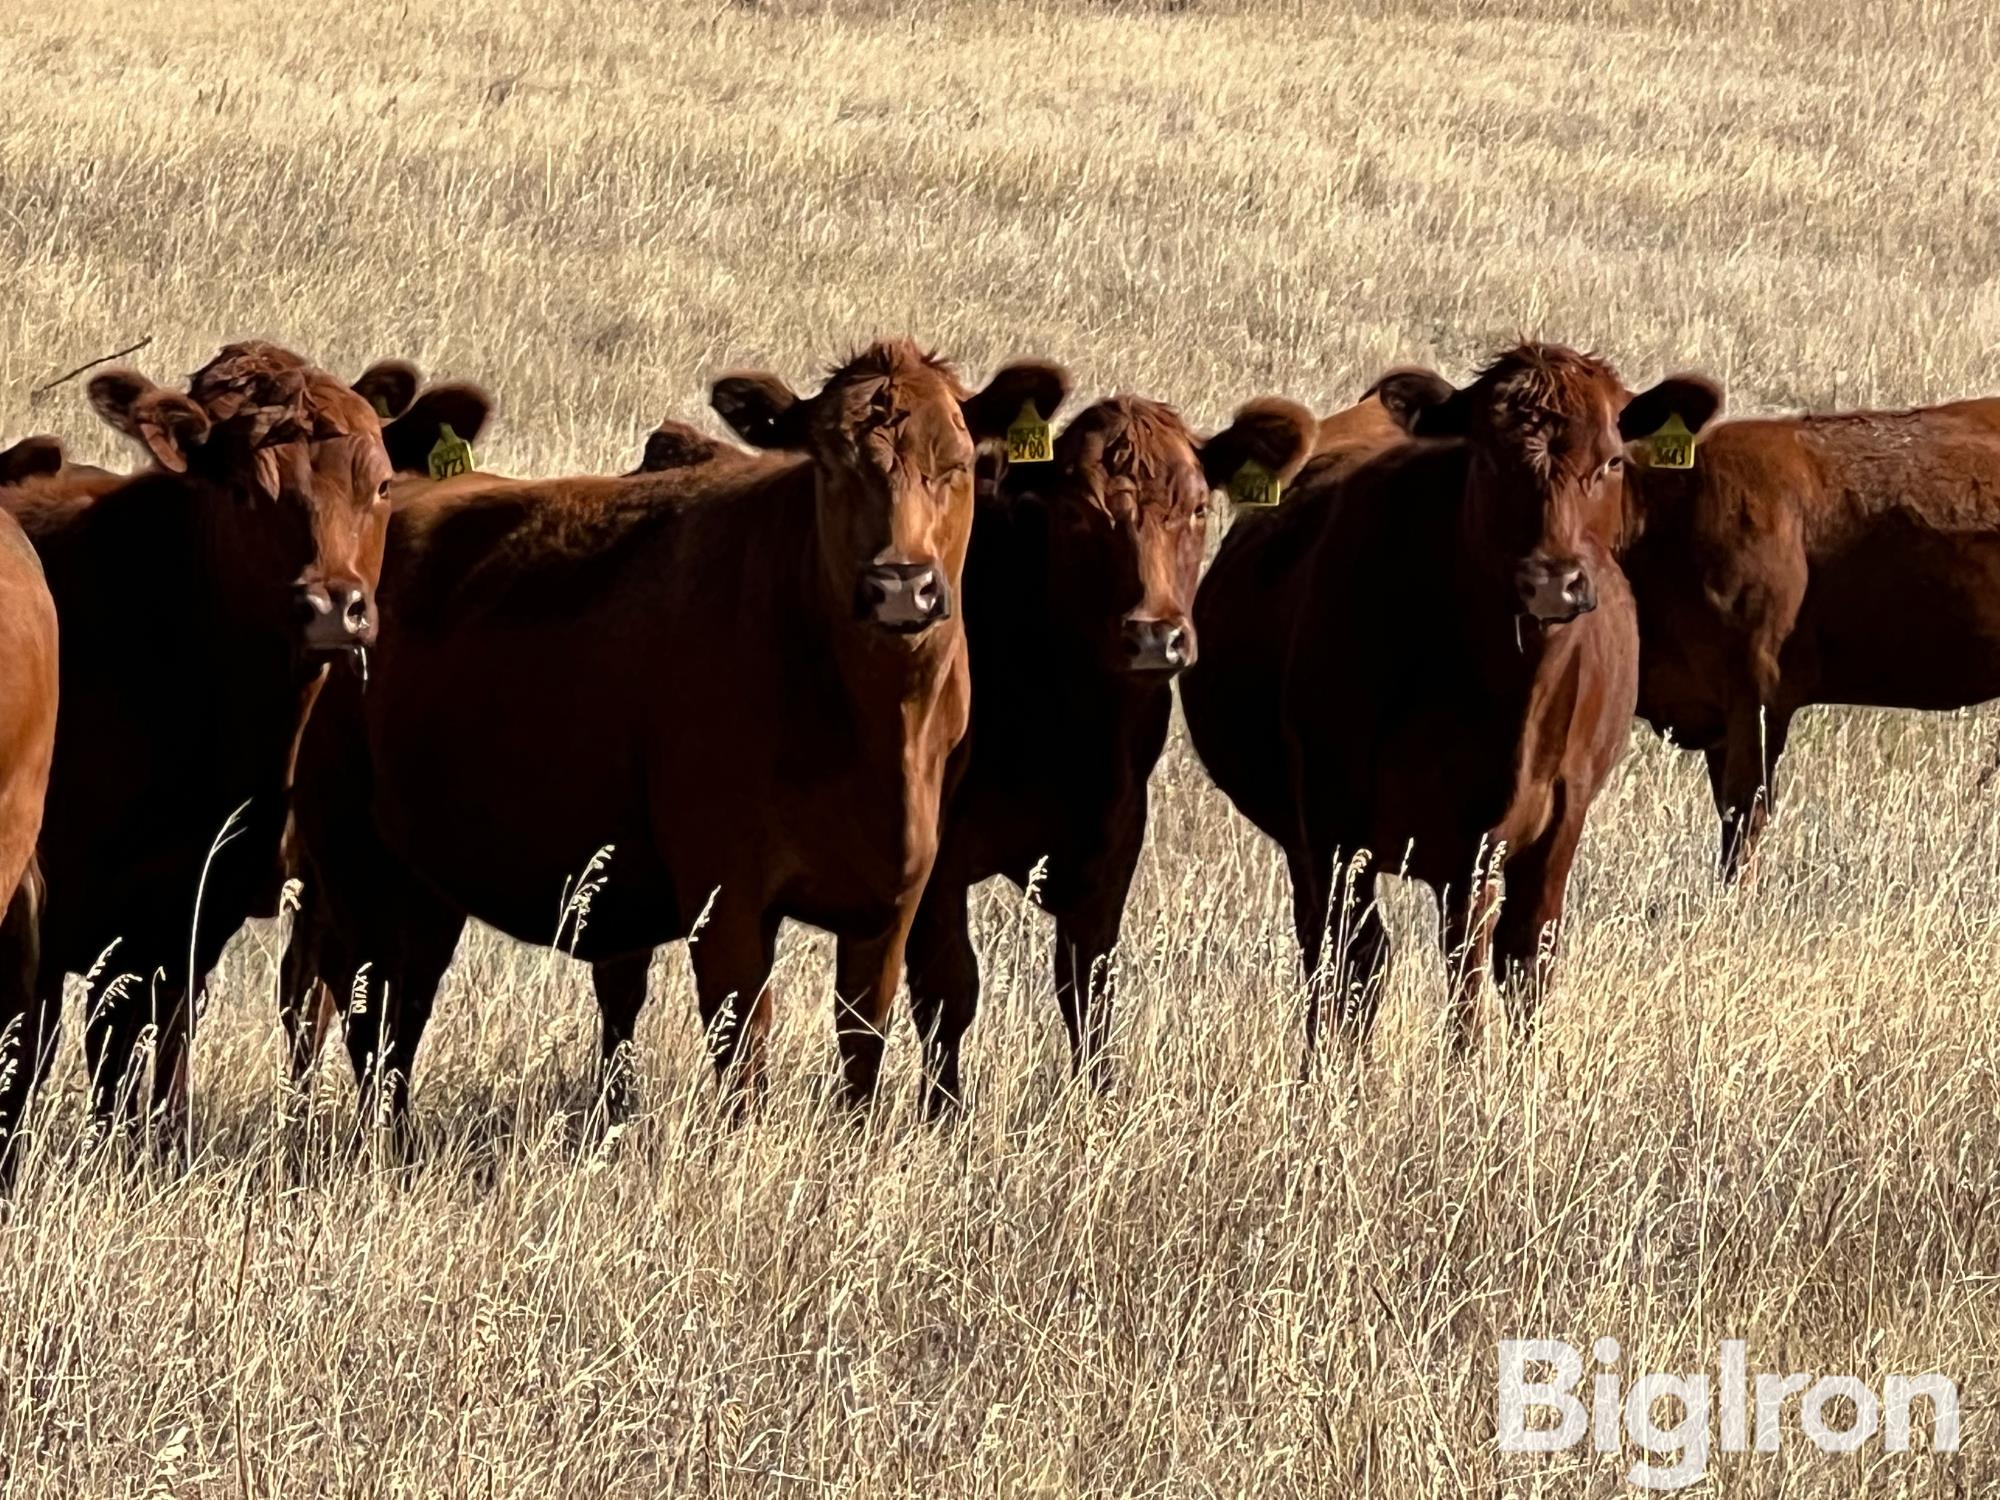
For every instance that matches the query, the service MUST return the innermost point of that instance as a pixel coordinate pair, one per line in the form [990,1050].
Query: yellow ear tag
[452,454]
[1253,485]
[381,405]
[1672,447]
[1029,440]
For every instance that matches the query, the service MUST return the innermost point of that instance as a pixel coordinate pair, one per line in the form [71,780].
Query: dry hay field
[1770,1114]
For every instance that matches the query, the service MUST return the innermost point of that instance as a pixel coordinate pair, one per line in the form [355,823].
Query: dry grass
[1772,1114]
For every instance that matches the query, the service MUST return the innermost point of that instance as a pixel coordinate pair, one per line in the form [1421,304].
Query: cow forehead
[1133,455]
[1549,409]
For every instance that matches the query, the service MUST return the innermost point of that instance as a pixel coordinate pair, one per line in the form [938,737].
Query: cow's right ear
[30,458]
[389,385]
[761,409]
[990,412]
[1410,394]
[409,439]
[169,425]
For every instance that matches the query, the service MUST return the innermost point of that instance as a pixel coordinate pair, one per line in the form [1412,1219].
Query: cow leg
[866,972]
[732,956]
[1530,922]
[119,1008]
[621,994]
[944,991]
[390,1005]
[305,999]
[1742,774]
[1310,876]
[1363,957]
[1090,911]
[29,1022]
[1468,917]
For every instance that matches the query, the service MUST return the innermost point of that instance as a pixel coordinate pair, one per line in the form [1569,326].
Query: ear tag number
[1029,440]
[1253,486]
[452,454]
[1672,447]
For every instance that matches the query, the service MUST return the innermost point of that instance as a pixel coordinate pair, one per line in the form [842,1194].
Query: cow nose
[1555,589]
[1154,645]
[334,617]
[905,597]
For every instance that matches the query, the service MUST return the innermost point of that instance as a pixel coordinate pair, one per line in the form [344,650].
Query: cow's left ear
[1695,399]
[29,458]
[409,439]
[993,410]
[1270,431]
[389,386]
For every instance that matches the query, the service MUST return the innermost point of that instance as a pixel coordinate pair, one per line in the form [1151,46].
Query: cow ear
[1409,392]
[990,412]
[1695,399]
[761,409]
[676,445]
[167,424]
[1276,434]
[409,439]
[389,386]
[29,458]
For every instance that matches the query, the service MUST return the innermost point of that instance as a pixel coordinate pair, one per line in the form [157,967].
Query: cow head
[301,457]
[414,416]
[892,437]
[1545,430]
[1128,496]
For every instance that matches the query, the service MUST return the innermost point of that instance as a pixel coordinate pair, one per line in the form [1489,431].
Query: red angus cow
[1850,558]
[1460,663]
[1078,590]
[745,683]
[260,528]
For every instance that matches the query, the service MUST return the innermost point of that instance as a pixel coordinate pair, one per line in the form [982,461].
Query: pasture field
[1770,1113]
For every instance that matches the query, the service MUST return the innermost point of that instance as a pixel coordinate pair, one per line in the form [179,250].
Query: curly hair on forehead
[1546,377]
[261,383]
[894,360]
[1533,391]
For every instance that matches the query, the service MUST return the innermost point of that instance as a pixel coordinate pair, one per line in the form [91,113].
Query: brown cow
[262,525]
[743,682]
[1078,590]
[1460,660]
[28,688]
[1850,558]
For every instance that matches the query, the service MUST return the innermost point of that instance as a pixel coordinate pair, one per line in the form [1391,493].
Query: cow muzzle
[1554,589]
[904,597]
[334,616]
[1158,647]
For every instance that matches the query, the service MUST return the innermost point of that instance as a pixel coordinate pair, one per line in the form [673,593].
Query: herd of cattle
[910,638]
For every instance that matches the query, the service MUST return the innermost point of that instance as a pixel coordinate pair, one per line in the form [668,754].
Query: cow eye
[382,490]
[1612,465]
[1201,511]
